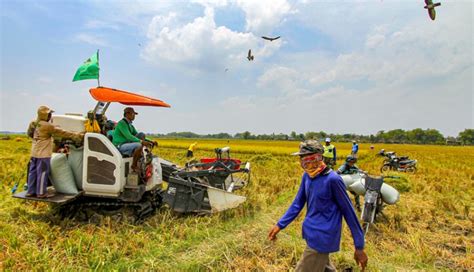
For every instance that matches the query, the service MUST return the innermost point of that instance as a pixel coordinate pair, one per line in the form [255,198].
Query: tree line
[415,136]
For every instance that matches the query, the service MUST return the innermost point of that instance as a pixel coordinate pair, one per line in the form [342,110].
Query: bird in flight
[226,69]
[270,38]
[431,8]
[250,57]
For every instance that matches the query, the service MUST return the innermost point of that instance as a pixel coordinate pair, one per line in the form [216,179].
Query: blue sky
[340,66]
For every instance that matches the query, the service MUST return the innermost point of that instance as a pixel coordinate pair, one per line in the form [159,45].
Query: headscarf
[312,164]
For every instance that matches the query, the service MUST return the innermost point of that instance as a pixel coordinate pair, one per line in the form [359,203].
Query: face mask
[312,164]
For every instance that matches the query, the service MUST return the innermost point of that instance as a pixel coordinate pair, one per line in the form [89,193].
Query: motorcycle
[376,193]
[401,164]
[388,155]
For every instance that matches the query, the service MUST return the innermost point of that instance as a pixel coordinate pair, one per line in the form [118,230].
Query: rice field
[429,229]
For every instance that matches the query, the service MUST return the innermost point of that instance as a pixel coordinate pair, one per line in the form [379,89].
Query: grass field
[431,228]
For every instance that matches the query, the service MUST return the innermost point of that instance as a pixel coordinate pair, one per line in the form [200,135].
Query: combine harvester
[106,183]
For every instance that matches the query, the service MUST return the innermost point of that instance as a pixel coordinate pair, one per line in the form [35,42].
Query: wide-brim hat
[44,110]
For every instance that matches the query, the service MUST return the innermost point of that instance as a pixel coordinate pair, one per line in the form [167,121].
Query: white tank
[350,179]
[390,195]
[68,122]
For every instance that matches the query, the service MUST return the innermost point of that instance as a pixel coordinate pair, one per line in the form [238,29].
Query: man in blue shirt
[355,149]
[324,194]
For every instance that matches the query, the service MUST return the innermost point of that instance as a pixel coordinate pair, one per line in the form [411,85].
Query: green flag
[89,70]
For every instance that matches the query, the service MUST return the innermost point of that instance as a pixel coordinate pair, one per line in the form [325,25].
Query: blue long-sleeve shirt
[327,202]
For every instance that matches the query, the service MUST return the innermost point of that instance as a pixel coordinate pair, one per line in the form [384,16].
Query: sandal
[45,196]
[30,195]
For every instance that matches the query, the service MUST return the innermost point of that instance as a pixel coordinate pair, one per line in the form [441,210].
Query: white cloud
[264,15]
[90,39]
[374,40]
[201,44]
[211,3]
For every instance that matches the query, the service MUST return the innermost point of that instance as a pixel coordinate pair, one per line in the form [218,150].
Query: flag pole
[98,73]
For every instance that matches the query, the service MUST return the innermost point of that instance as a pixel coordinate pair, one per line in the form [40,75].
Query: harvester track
[87,208]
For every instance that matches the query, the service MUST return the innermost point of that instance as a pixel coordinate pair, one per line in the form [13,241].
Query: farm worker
[349,168]
[355,149]
[329,155]
[324,194]
[191,148]
[42,132]
[126,138]
[109,129]
[91,124]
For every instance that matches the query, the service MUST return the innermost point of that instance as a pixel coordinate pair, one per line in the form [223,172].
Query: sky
[339,66]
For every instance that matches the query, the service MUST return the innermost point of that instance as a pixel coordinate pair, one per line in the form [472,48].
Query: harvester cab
[103,179]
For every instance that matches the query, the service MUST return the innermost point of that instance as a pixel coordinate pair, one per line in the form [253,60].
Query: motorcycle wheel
[411,169]
[367,213]
[385,168]
[368,216]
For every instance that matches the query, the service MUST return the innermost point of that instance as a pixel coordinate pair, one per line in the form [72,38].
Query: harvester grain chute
[106,181]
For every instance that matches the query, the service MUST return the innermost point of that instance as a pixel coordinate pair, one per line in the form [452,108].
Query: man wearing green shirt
[126,138]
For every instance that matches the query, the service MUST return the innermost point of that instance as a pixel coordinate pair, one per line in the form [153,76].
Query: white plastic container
[69,122]
[156,177]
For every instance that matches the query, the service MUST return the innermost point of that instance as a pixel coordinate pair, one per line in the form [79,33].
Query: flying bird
[431,8]
[226,69]
[250,57]
[270,39]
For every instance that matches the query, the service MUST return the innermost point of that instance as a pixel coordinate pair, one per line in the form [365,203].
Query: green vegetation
[399,136]
[429,229]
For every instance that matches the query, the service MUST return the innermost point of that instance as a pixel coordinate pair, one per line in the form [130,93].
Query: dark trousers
[313,261]
[189,154]
[38,175]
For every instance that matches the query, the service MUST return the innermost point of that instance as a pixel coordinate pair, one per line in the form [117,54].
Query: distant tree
[246,135]
[397,136]
[311,135]
[433,136]
[416,136]
[293,135]
[467,136]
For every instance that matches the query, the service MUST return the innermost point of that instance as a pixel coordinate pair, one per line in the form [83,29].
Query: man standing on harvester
[127,139]
[324,194]
[42,132]
[329,155]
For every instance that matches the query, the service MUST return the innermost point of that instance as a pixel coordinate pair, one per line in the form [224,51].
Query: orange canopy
[104,94]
